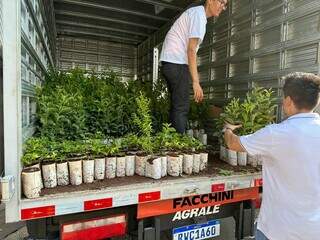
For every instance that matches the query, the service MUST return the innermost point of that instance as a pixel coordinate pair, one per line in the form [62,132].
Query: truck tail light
[94,229]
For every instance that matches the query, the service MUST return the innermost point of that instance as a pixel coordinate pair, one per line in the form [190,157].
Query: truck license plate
[197,231]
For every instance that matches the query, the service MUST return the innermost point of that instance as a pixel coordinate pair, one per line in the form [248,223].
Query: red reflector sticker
[40,212]
[147,197]
[97,204]
[218,187]
[258,182]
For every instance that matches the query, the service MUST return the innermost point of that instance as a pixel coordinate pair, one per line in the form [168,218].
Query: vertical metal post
[253,215]
[239,223]
[12,100]
[252,43]
[155,67]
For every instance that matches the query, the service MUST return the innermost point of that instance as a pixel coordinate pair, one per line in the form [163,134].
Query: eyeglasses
[223,3]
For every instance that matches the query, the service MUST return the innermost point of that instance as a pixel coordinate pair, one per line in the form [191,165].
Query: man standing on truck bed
[290,156]
[179,58]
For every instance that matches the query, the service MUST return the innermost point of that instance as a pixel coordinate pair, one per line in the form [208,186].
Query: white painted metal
[155,65]
[114,9]
[12,101]
[92,26]
[129,194]
[1,24]
[96,17]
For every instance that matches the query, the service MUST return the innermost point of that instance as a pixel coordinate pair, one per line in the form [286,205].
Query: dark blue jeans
[178,78]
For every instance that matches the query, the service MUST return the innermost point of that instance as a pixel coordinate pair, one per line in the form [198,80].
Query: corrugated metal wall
[1,22]
[1,94]
[97,55]
[254,42]
[36,56]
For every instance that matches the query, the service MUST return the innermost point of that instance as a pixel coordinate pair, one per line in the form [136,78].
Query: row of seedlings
[105,162]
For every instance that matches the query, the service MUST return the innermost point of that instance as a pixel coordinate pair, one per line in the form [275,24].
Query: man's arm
[233,141]
[192,60]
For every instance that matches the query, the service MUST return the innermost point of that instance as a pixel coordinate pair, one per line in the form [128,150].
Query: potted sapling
[121,161]
[62,164]
[31,186]
[113,148]
[88,164]
[199,148]
[164,144]
[49,166]
[204,157]
[34,150]
[257,111]
[175,157]
[187,164]
[231,114]
[62,171]
[31,176]
[98,152]
[49,170]
[131,142]
[153,167]
[75,152]
[143,122]
[121,165]
[187,151]
[153,163]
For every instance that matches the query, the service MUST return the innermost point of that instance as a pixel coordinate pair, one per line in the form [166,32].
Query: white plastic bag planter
[203,161]
[37,165]
[121,166]
[203,139]
[75,170]
[49,173]
[259,160]
[174,165]
[62,174]
[140,164]
[130,164]
[196,133]
[252,160]
[30,182]
[164,170]
[153,168]
[232,157]
[99,168]
[242,158]
[190,132]
[88,170]
[223,153]
[111,167]
[196,162]
[187,163]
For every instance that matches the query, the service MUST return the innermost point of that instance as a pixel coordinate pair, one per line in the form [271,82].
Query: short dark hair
[303,89]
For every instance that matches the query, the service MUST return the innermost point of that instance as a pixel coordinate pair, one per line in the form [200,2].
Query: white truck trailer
[254,42]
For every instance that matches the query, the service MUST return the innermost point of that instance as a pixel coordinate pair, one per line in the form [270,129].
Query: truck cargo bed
[134,190]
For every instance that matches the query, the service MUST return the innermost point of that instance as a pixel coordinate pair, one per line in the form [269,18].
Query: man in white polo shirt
[290,152]
[179,58]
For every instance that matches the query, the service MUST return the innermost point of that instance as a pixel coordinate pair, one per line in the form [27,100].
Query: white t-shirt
[290,152]
[191,24]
